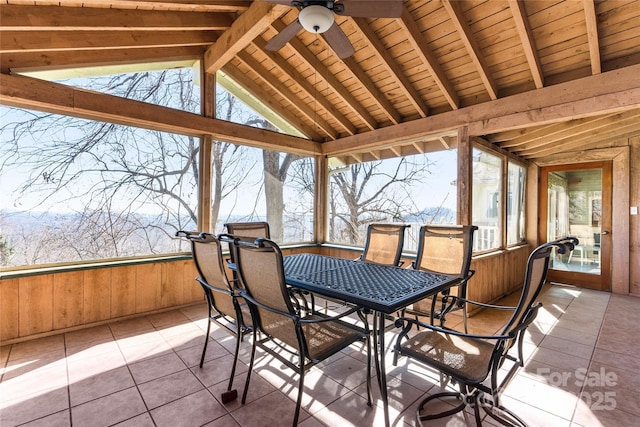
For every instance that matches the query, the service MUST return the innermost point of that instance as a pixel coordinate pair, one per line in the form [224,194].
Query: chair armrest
[482,304]
[410,322]
[244,294]
[215,288]
[331,318]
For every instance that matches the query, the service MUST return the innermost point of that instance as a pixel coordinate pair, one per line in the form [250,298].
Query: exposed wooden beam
[26,92]
[55,18]
[247,27]
[592,35]
[74,41]
[322,72]
[605,134]
[428,58]
[526,37]
[603,93]
[96,58]
[259,92]
[307,88]
[558,131]
[391,65]
[194,5]
[454,8]
[286,93]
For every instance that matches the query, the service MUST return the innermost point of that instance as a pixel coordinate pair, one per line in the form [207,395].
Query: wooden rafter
[27,92]
[247,27]
[87,58]
[72,41]
[54,18]
[392,67]
[527,40]
[592,35]
[286,93]
[259,92]
[454,9]
[328,77]
[309,90]
[428,58]
[376,95]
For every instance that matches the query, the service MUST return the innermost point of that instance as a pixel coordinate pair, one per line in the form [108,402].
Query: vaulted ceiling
[437,58]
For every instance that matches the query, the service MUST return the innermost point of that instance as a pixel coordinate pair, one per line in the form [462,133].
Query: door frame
[601,282]
[620,283]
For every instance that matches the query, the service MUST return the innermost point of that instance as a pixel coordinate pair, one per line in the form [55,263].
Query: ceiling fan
[318,17]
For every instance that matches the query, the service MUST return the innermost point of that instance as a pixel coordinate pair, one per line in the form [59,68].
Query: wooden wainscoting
[36,304]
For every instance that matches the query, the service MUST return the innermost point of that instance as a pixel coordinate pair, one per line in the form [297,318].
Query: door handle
[605,232]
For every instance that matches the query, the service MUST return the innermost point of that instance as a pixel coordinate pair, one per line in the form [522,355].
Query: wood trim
[620,156]
[465,177]
[27,92]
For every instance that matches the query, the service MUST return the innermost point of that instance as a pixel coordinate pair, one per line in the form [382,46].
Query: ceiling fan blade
[372,9]
[283,37]
[285,2]
[339,41]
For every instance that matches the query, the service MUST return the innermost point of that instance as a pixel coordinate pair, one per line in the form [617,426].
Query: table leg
[378,332]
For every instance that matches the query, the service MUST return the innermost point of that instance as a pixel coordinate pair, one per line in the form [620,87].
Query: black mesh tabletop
[378,287]
[300,265]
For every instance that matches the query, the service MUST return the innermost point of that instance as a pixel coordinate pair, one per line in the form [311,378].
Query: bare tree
[368,192]
[130,188]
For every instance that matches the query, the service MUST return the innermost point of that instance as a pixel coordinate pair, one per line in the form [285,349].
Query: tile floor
[582,370]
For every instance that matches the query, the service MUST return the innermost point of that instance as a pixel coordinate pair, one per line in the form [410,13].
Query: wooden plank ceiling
[438,56]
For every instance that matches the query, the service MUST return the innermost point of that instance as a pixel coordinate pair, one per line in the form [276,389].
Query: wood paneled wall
[32,305]
[37,305]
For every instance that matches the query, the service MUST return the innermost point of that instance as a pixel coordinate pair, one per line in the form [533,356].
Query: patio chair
[224,305]
[444,249]
[248,230]
[473,361]
[383,244]
[308,339]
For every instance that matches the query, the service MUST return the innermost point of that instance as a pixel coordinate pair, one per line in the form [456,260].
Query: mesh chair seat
[460,357]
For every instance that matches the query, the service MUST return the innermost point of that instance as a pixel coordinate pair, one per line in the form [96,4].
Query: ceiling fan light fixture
[316,19]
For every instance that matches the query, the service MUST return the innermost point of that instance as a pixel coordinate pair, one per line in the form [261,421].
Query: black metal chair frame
[236,326]
[448,302]
[305,361]
[474,391]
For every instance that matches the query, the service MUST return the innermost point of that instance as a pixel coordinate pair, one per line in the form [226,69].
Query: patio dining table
[379,288]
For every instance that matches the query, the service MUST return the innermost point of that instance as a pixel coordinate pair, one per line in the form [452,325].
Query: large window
[419,189]
[77,190]
[252,184]
[487,209]
[515,203]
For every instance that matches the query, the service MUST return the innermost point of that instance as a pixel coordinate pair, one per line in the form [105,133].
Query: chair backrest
[261,273]
[384,243]
[207,256]
[445,249]
[248,230]
[534,279]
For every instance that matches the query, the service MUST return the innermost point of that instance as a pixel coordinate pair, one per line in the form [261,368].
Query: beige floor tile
[579,332]
[82,337]
[156,367]
[168,388]
[36,348]
[274,409]
[32,407]
[110,409]
[99,385]
[59,419]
